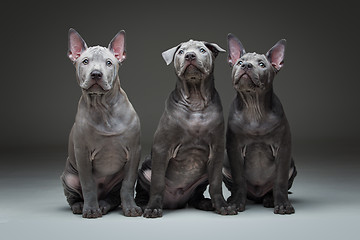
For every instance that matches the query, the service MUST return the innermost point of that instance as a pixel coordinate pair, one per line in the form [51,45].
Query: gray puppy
[188,147]
[104,143]
[258,139]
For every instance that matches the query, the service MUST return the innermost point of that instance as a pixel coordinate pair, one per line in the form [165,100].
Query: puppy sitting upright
[104,143]
[258,140]
[188,147]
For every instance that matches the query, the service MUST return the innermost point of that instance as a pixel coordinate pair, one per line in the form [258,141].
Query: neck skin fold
[255,105]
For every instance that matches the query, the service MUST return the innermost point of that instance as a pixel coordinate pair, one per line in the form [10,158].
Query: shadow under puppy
[188,146]
[104,143]
[258,139]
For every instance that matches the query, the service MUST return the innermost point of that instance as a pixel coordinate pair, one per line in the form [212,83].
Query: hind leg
[268,200]
[142,196]
[227,181]
[198,200]
[235,198]
[111,201]
[75,201]
[73,197]
[293,175]
[109,204]
[143,184]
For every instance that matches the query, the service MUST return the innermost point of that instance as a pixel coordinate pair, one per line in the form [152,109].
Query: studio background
[318,85]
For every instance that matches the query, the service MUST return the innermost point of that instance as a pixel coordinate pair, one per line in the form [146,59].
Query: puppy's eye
[261,64]
[108,63]
[181,52]
[85,61]
[239,62]
[202,50]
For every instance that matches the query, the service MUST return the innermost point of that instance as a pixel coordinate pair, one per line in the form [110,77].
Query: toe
[77,208]
[152,213]
[284,209]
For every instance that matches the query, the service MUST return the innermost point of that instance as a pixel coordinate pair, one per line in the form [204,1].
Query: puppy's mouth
[246,83]
[95,89]
[192,68]
[244,77]
[192,72]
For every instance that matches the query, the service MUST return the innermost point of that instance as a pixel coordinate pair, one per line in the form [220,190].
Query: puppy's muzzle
[96,75]
[246,66]
[190,56]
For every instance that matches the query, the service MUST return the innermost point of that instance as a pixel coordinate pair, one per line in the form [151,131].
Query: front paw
[239,205]
[132,211]
[226,210]
[153,212]
[91,212]
[284,208]
[222,207]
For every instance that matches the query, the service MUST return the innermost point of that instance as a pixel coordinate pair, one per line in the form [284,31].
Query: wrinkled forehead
[192,44]
[254,57]
[98,52]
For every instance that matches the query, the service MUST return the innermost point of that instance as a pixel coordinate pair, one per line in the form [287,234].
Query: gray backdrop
[318,85]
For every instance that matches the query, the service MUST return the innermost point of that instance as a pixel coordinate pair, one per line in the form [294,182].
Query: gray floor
[325,195]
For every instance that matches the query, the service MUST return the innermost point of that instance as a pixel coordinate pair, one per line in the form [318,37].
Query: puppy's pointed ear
[236,49]
[76,45]
[117,46]
[214,48]
[276,54]
[168,55]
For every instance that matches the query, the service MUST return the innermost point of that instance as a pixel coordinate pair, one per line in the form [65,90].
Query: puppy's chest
[111,126]
[107,158]
[107,123]
[255,127]
[199,124]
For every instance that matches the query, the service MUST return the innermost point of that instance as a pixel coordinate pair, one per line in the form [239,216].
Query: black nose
[246,65]
[96,75]
[190,56]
